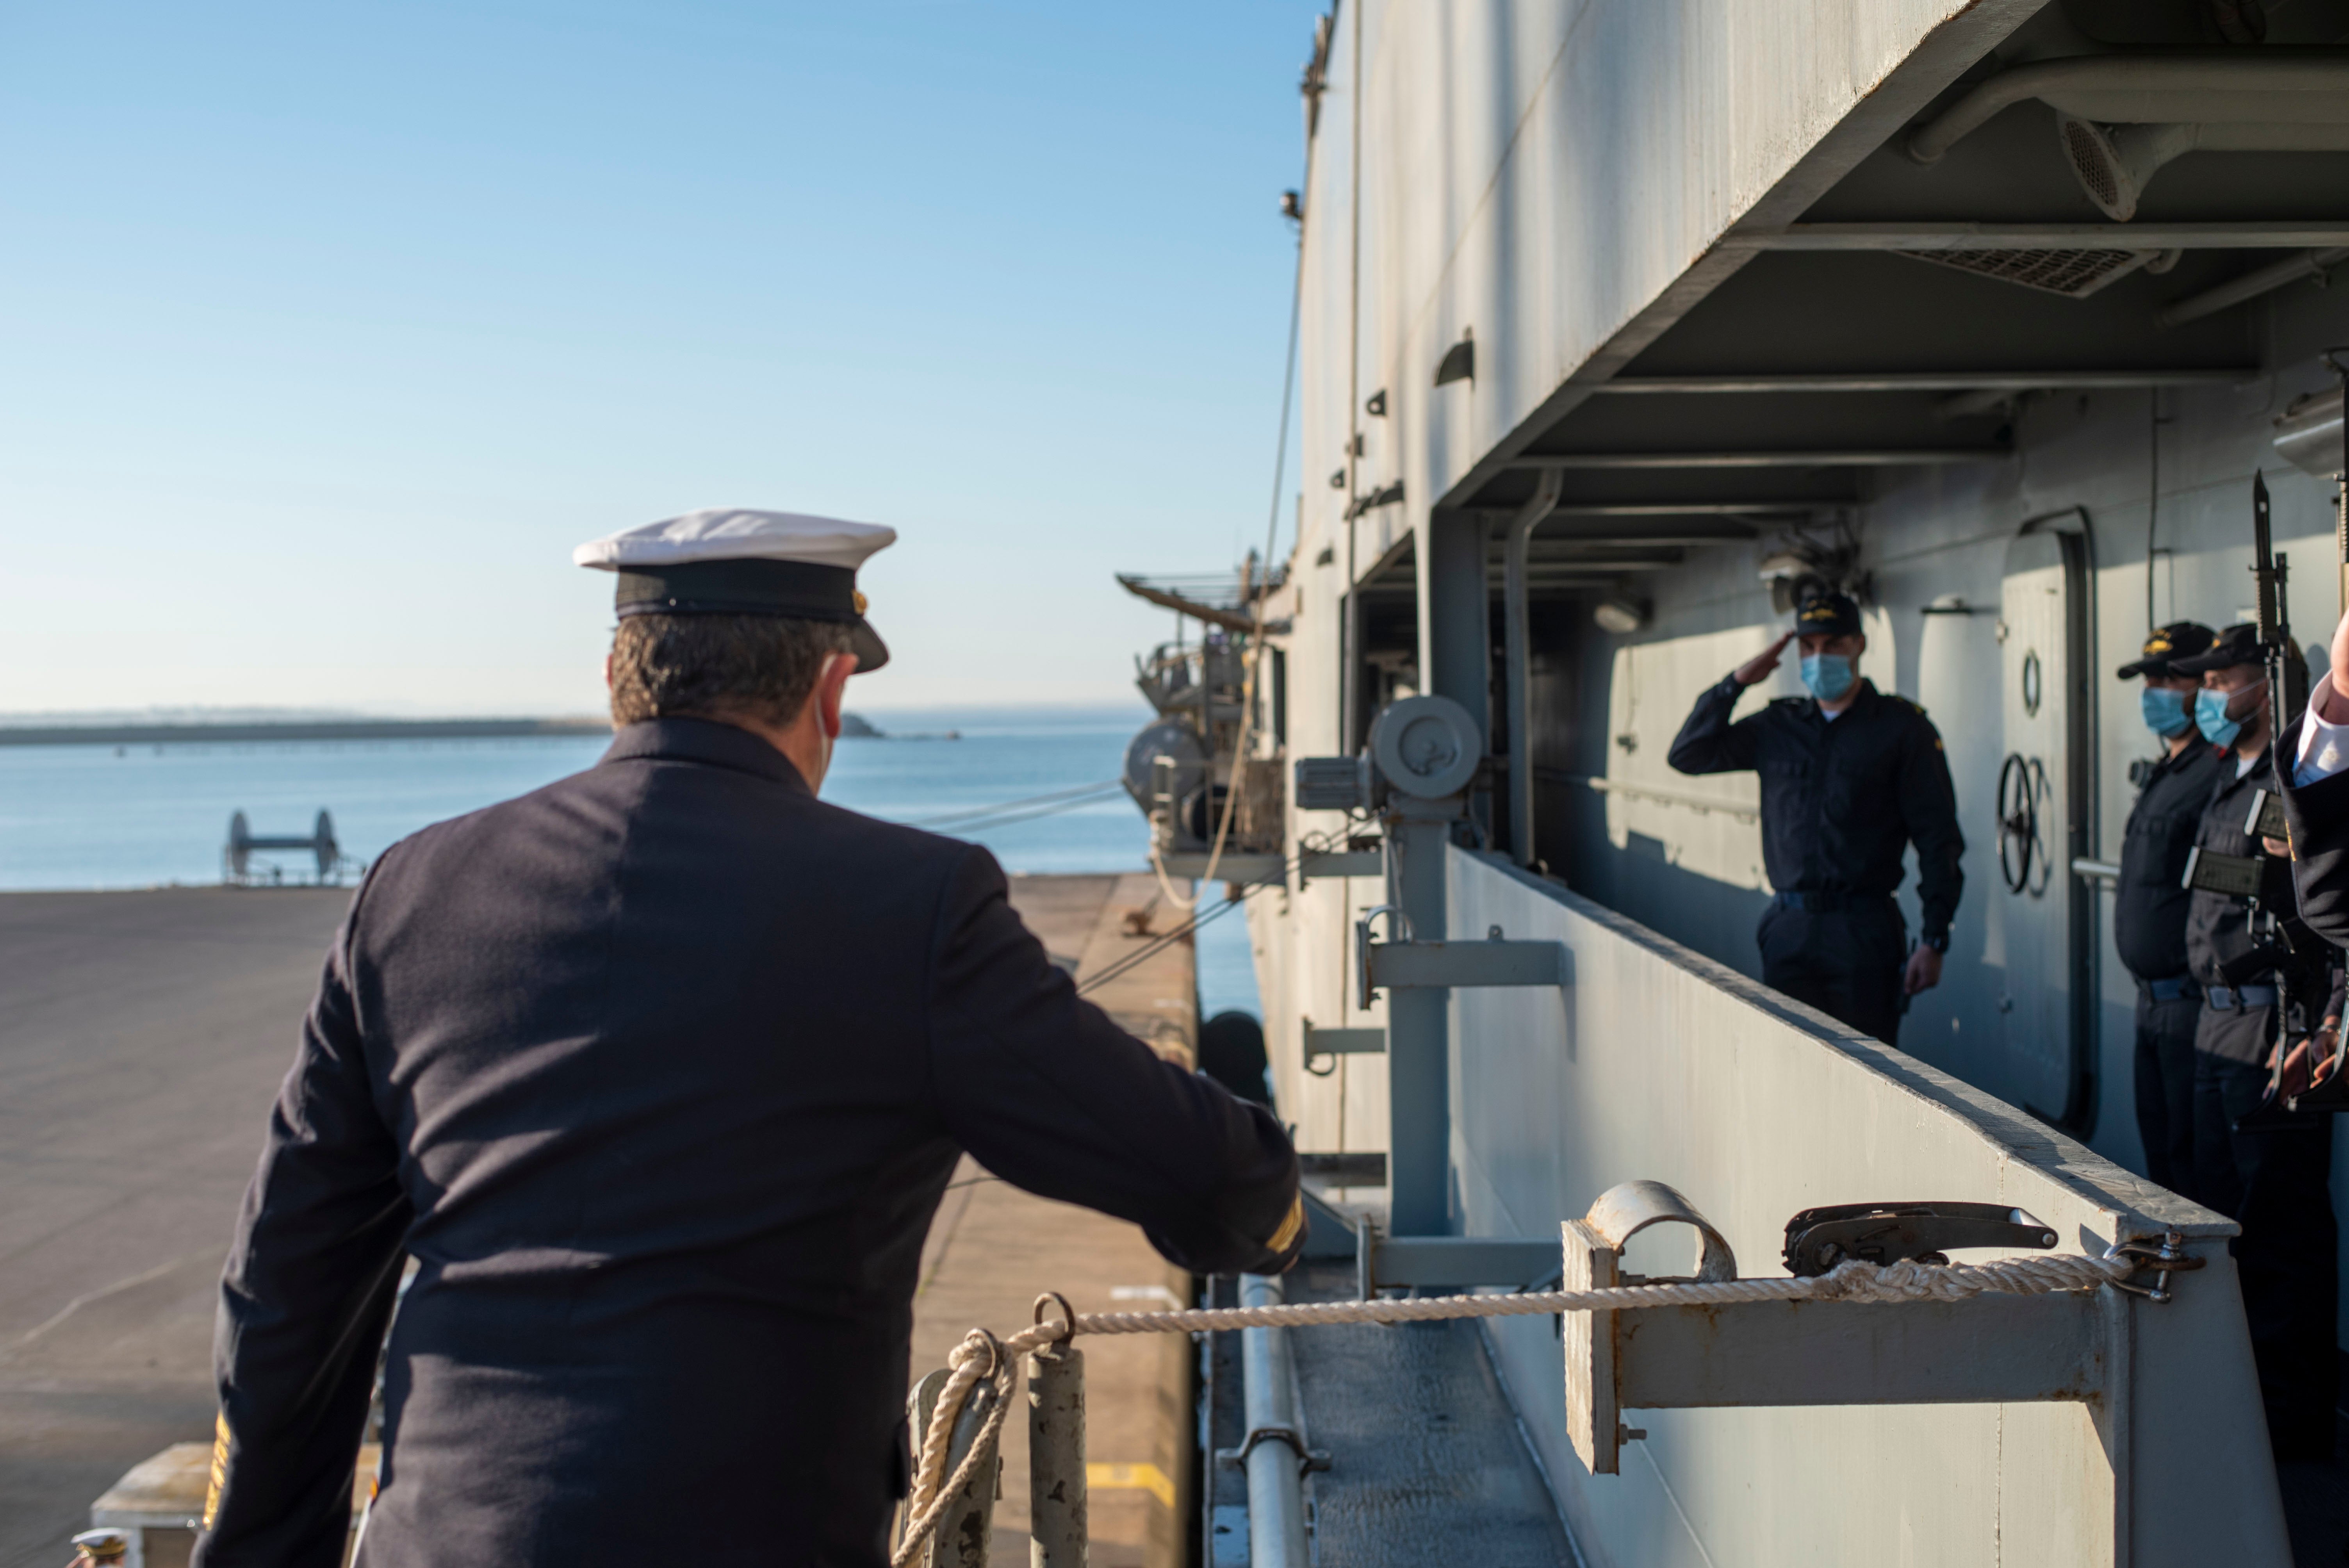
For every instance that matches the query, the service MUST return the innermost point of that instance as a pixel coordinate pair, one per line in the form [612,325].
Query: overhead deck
[1801,356]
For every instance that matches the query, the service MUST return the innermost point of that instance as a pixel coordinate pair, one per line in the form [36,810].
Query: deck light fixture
[1620,615]
[1459,361]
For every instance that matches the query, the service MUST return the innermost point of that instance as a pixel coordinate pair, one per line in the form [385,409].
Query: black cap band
[797,589]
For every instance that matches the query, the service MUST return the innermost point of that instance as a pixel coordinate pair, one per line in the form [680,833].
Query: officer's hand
[1758,668]
[1924,971]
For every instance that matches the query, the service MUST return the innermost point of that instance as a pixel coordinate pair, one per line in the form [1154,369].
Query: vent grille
[1331,784]
[2076,274]
[2092,161]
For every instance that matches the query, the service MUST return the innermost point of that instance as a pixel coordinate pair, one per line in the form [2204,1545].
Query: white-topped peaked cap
[732,562]
[733,533]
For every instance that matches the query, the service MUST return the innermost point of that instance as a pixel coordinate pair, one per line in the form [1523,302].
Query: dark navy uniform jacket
[1841,798]
[2319,815]
[2219,926]
[659,1073]
[2151,899]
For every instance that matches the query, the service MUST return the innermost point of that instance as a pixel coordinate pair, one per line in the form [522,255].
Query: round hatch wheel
[2018,823]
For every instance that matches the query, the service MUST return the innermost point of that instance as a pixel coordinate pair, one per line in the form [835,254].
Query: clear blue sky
[330,329]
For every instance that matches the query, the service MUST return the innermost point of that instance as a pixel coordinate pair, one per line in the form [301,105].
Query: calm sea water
[108,817]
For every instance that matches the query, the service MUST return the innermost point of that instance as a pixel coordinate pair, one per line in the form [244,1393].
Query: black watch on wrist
[1938,940]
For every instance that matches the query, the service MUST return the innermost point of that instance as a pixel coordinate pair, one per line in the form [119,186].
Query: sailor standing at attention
[2150,901]
[658,1074]
[1850,777]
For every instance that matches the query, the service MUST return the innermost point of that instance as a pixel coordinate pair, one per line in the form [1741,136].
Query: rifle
[2287,672]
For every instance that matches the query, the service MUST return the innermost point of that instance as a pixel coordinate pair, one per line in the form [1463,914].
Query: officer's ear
[831,689]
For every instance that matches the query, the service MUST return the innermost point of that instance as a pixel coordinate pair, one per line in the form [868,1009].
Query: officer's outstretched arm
[2318,814]
[1708,742]
[308,1288]
[2316,803]
[1046,1093]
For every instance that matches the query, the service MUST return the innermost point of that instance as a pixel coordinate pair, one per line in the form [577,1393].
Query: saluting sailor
[1850,777]
[659,1073]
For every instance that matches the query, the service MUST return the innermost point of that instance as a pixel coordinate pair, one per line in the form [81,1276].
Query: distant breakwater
[295,730]
[236,734]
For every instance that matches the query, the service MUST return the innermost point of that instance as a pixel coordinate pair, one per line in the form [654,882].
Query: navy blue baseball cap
[1828,614]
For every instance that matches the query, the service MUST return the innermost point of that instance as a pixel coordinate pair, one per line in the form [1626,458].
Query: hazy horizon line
[253,713]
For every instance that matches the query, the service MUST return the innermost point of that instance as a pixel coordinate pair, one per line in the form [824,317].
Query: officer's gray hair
[717,667]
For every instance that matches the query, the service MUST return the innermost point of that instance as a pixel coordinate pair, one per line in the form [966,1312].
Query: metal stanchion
[1056,1457]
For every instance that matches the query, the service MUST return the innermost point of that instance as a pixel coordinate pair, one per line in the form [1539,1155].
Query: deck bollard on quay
[1056,1457]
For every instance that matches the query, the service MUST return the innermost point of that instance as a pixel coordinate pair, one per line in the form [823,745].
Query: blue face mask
[1828,676]
[2164,711]
[2211,716]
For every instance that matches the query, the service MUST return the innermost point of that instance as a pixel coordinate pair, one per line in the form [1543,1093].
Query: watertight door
[2037,913]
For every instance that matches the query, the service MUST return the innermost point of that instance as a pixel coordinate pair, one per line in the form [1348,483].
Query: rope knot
[1861,1281]
[979,1349]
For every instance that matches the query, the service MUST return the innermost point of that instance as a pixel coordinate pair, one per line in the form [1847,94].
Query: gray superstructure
[1622,321]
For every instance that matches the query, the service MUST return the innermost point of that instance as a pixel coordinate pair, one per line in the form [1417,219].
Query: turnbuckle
[2167,1258]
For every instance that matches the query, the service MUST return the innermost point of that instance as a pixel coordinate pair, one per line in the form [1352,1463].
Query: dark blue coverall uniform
[659,1073]
[2149,908]
[1842,798]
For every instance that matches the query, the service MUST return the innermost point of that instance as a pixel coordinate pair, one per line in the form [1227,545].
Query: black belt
[1829,902]
[2235,999]
[2176,988]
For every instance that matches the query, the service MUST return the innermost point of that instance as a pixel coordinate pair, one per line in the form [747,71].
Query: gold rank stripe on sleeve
[220,1468]
[1289,1227]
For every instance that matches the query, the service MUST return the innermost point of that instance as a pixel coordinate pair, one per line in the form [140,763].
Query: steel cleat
[1819,1239]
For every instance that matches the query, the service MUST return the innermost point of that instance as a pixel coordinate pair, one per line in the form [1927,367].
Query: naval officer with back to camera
[2151,899]
[1850,777]
[2274,1182]
[658,1074]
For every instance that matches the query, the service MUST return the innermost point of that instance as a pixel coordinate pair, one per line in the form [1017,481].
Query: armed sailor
[2274,1182]
[658,1074]
[2150,902]
[1850,777]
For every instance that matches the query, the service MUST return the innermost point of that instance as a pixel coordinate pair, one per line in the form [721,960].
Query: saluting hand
[1758,668]
[1924,971]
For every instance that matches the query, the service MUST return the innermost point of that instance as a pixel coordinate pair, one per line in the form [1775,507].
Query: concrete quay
[142,1036]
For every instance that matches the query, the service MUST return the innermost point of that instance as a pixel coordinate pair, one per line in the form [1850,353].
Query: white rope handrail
[984,1358]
